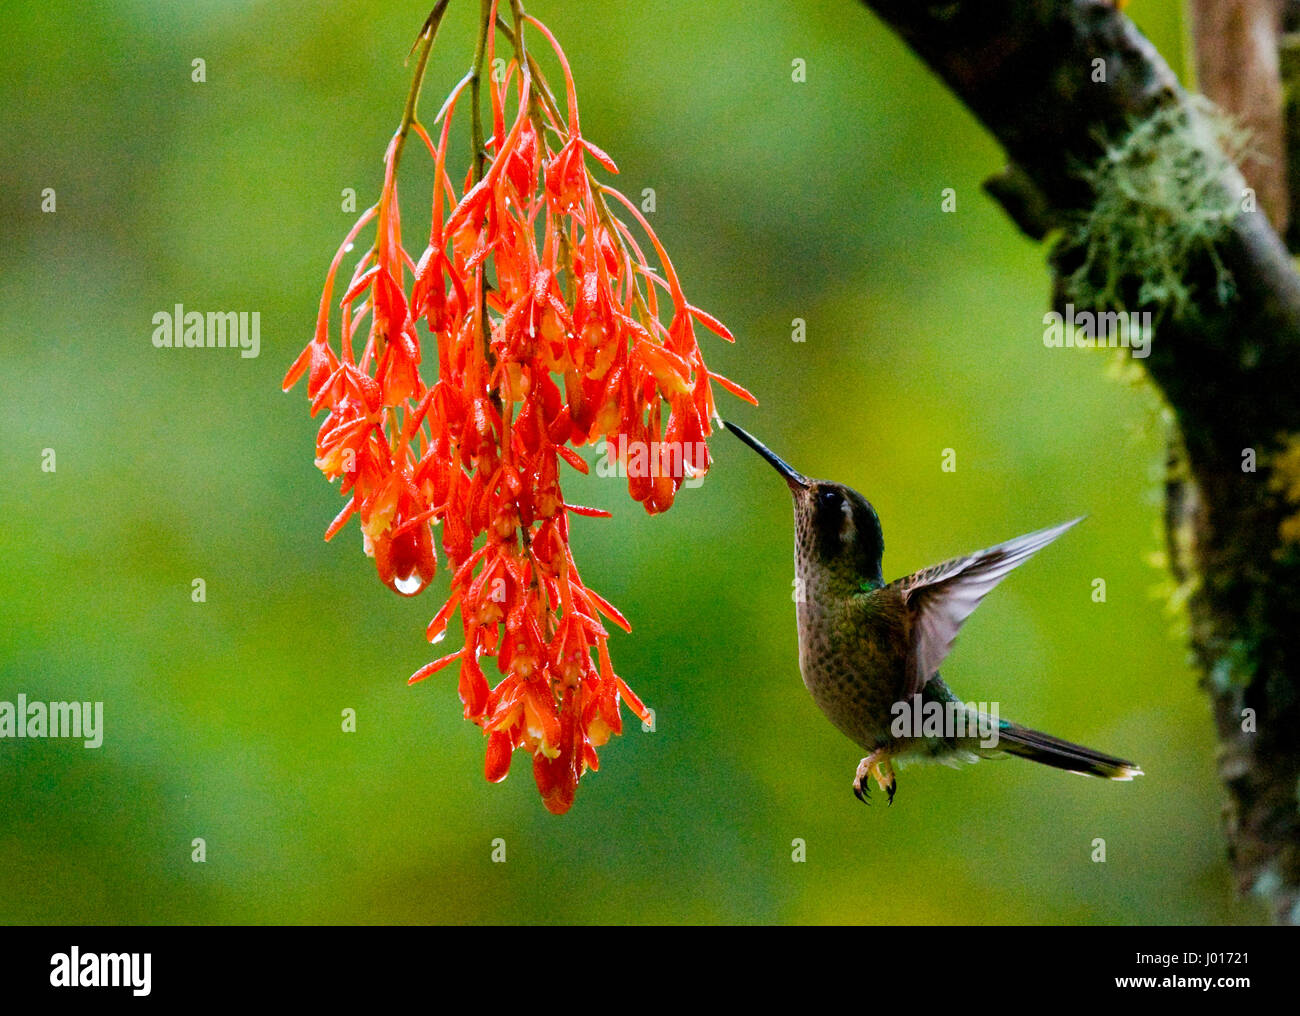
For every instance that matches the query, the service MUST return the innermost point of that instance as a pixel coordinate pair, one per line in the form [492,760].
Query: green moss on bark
[1160,208]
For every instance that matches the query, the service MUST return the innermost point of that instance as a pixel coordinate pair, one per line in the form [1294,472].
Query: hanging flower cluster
[548,323]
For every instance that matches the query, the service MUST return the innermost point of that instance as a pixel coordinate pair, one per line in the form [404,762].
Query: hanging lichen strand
[548,323]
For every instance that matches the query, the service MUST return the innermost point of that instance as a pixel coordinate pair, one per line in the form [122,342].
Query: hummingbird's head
[835,526]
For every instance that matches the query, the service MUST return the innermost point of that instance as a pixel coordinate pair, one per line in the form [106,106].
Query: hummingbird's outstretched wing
[941,597]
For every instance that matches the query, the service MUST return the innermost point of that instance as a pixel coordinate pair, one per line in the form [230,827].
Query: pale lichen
[1160,205]
[1284,480]
[1180,580]
[1234,666]
[1173,595]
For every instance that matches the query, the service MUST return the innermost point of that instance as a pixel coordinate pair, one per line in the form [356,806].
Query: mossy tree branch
[1228,363]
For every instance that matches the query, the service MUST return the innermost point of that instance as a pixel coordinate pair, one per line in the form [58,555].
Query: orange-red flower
[548,324]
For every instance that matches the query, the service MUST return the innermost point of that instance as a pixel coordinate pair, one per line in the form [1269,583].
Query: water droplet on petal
[410,585]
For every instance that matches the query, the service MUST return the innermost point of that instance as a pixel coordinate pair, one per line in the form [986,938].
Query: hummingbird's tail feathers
[1052,751]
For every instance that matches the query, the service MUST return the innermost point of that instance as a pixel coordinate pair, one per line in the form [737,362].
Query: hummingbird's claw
[862,782]
[876,764]
[885,777]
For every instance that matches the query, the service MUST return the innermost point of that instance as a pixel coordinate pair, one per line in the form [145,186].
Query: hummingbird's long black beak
[793,477]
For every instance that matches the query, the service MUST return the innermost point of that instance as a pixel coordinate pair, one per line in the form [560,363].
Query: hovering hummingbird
[870,652]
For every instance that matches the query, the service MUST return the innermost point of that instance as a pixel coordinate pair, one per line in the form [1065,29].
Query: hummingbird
[870,651]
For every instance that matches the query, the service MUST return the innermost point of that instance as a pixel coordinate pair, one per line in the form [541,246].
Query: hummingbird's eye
[837,511]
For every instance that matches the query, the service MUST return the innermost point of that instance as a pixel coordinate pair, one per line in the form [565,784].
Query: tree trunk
[1237,66]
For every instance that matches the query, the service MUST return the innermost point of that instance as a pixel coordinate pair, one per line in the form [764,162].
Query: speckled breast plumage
[851,654]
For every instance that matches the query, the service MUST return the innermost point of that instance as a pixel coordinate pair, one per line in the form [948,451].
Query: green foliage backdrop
[779,200]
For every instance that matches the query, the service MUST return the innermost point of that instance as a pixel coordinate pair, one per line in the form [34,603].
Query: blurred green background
[778,200]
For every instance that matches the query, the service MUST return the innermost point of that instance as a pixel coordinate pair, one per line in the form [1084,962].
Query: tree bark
[1028,69]
[1237,66]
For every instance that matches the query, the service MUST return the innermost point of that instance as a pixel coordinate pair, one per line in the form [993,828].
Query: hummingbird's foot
[862,781]
[885,777]
[876,764]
